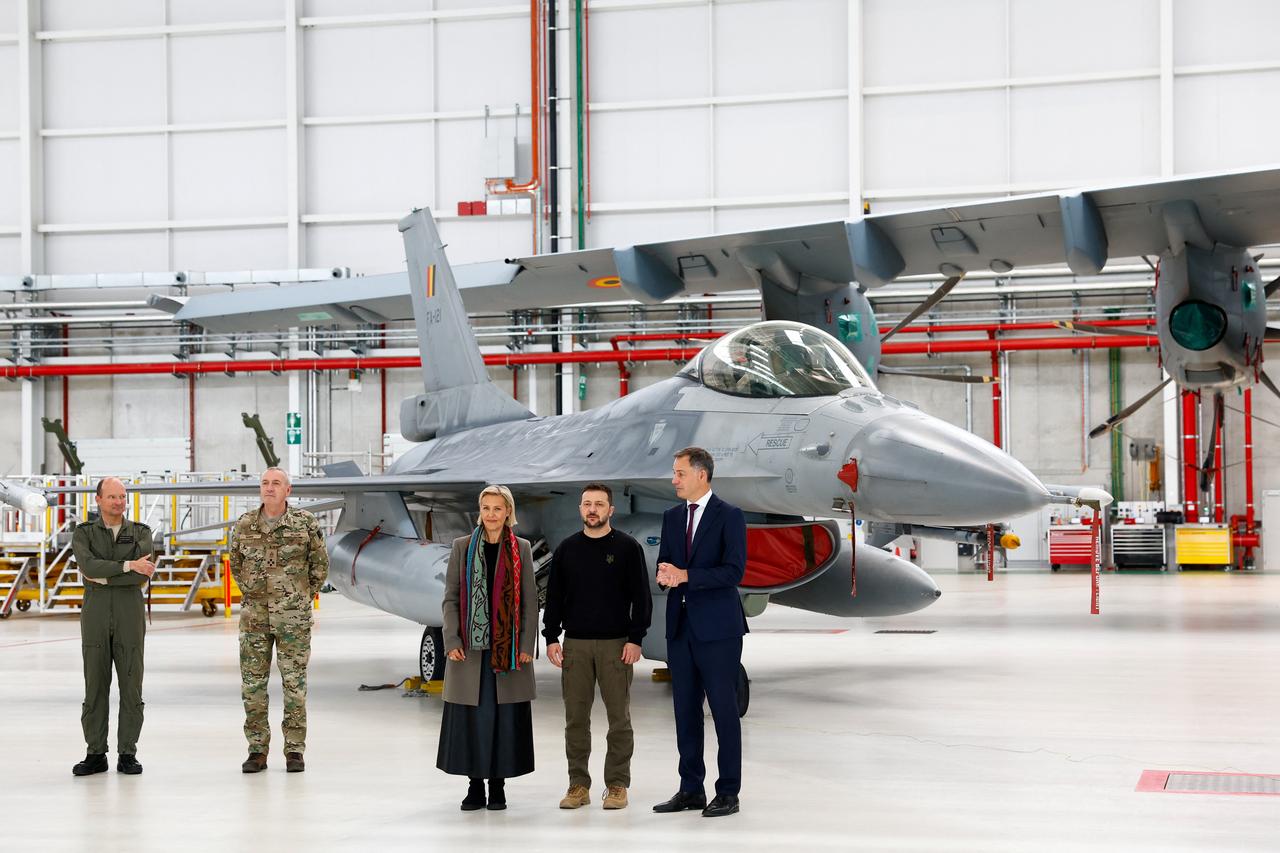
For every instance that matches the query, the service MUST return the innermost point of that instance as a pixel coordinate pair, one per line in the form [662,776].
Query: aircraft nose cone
[916,468]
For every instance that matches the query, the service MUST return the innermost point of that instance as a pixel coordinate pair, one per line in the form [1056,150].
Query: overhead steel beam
[854,93]
[295,153]
[30,148]
[1166,88]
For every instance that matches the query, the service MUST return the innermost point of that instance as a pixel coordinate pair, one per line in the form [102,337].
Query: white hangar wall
[176,134]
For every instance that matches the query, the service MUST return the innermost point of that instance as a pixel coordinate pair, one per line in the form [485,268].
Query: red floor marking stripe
[1157,780]
[1152,780]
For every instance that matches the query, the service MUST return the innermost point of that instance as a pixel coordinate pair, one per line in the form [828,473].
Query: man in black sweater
[598,592]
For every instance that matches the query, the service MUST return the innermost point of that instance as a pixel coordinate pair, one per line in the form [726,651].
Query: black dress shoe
[721,805]
[128,764]
[681,802]
[94,762]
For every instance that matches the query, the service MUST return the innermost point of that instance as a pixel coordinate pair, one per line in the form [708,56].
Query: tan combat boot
[615,797]
[577,796]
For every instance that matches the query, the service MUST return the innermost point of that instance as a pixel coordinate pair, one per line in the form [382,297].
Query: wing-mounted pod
[30,501]
[876,260]
[644,277]
[1084,237]
[1183,225]
[400,576]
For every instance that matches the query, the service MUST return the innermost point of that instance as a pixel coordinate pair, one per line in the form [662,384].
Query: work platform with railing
[191,534]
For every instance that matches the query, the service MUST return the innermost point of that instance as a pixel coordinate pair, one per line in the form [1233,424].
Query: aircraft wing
[1083,228]
[345,301]
[424,483]
[1241,209]
[433,486]
[705,265]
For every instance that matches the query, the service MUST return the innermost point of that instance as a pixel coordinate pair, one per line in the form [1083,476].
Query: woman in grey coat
[490,627]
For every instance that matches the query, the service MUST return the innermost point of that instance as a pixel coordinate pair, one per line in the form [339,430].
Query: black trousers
[706,669]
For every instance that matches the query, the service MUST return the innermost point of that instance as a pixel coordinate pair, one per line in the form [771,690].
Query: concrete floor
[1023,723]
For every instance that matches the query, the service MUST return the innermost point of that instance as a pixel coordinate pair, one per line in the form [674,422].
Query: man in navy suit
[701,561]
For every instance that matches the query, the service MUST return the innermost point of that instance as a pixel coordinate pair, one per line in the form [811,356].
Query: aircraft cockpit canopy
[778,359]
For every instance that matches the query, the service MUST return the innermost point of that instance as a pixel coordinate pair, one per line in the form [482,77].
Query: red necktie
[688,535]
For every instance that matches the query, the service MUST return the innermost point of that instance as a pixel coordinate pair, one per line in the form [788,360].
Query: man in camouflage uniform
[279,561]
[113,555]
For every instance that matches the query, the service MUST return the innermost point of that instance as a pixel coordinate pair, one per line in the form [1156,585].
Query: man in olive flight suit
[279,561]
[114,558]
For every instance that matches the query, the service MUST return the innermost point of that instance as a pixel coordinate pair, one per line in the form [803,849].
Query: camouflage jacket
[282,569]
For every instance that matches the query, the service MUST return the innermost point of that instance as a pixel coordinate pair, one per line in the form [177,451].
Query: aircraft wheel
[431,655]
[24,605]
[744,691]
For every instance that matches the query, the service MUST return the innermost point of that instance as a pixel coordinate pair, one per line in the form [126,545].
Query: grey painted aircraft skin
[797,427]
[779,457]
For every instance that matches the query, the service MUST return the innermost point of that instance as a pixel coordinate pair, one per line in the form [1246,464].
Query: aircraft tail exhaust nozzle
[30,501]
[400,576]
[887,586]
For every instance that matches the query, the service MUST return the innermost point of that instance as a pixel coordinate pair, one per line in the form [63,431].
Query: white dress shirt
[697,516]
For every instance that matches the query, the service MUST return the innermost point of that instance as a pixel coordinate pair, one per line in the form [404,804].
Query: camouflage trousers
[290,634]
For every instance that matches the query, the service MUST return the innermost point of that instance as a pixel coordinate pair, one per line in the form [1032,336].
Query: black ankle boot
[497,795]
[475,796]
[94,762]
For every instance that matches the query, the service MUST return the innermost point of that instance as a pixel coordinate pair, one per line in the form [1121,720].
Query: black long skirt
[487,741]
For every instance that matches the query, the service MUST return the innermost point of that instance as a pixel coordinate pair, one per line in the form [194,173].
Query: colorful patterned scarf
[491,625]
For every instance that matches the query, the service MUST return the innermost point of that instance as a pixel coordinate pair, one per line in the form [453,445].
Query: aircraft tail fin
[459,395]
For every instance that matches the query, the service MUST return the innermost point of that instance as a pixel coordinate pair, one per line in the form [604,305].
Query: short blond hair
[504,493]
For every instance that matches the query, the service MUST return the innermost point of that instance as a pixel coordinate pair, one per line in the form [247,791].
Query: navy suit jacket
[709,602]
